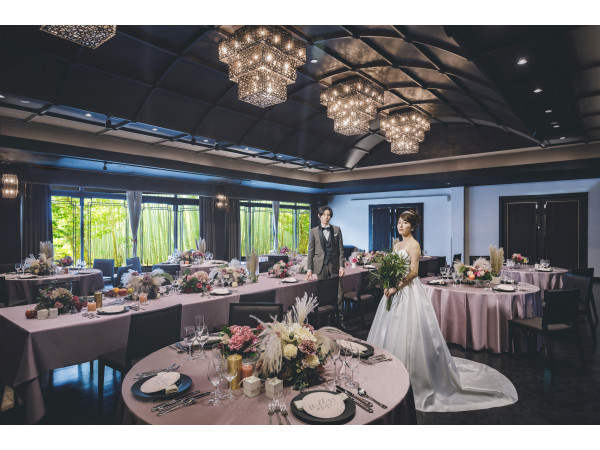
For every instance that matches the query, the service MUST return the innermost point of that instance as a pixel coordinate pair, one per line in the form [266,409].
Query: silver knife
[186,402]
[359,403]
[179,402]
[175,399]
[355,397]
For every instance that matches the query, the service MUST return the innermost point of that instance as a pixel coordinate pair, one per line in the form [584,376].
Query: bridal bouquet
[291,349]
[392,268]
[149,282]
[198,282]
[280,270]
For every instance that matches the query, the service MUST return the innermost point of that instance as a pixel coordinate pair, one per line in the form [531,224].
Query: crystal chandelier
[10,185]
[221,201]
[405,131]
[352,105]
[91,36]
[263,61]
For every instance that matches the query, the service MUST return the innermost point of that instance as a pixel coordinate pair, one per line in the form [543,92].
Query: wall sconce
[221,201]
[10,185]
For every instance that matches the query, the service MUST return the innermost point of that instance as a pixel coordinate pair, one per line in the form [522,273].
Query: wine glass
[345,353]
[18,267]
[352,361]
[455,278]
[335,356]
[189,334]
[202,333]
[230,373]
[199,320]
[214,374]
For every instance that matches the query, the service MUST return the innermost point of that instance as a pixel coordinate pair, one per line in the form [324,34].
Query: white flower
[312,360]
[290,351]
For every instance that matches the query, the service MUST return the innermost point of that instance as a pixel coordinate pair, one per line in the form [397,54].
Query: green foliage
[391,270]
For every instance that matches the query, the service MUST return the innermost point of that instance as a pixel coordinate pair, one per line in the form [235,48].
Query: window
[107,230]
[256,219]
[188,223]
[66,229]
[155,235]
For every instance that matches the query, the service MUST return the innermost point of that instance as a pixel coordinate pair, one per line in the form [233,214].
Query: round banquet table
[543,280]
[478,318]
[387,382]
[20,289]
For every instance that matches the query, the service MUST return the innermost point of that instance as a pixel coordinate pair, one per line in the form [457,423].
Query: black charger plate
[183,384]
[366,354]
[102,313]
[345,417]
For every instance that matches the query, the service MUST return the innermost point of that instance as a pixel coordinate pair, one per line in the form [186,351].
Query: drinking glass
[199,320]
[229,374]
[214,374]
[345,353]
[189,334]
[352,361]
[202,333]
[455,278]
[18,267]
[217,353]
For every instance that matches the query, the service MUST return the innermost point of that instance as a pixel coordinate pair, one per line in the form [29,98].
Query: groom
[326,254]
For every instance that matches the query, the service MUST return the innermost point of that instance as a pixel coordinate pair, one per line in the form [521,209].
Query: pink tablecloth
[478,318]
[387,382]
[30,347]
[543,280]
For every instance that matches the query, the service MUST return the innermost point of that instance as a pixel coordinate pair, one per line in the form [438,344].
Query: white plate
[440,282]
[351,345]
[289,280]
[549,269]
[26,277]
[324,405]
[504,287]
[369,266]
[161,381]
[220,291]
[112,309]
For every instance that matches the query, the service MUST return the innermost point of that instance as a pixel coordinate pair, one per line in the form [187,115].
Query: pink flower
[307,347]
[199,286]
[354,260]
[58,305]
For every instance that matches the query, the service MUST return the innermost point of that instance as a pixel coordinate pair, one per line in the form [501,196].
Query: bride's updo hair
[411,217]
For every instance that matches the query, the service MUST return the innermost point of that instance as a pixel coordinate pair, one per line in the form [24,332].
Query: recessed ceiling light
[154,129]
[522,61]
[205,140]
[24,101]
[562,137]
[88,115]
[1,96]
[331,167]
[537,91]
[314,61]
[548,111]
[247,148]
[556,126]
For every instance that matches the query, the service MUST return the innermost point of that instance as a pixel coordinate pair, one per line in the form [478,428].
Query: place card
[161,381]
[324,405]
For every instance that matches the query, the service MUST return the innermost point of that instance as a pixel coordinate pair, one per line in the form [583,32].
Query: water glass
[214,374]
[455,278]
[229,373]
[352,361]
[202,333]
[189,335]
[199,320]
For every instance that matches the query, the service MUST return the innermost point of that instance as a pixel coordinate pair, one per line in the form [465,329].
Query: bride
[410,331]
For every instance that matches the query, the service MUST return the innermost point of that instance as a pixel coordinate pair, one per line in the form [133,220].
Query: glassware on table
[189,335]
[18,267]
[335,357]
[214,373]
[143,297]
[455,278]
[344,354]
[199,318]
[229,373]
[202,333]
[352,361]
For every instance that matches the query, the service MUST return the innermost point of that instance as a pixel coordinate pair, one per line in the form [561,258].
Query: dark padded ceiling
[464,78]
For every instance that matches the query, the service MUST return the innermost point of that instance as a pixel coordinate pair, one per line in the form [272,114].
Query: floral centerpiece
[197,282]
[284,250]
[291,349]
[240,340]
[59,298]
[480,270]
[517,258]
[392,268]
[232,274]
[43,265]
[281,270]
[66,261]
[363,258]
[149,282]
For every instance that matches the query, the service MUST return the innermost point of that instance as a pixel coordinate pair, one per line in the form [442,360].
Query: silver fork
[284,412]
[277,409]
[270,412]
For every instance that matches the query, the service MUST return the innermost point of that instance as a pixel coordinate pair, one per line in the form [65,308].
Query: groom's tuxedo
[320,251]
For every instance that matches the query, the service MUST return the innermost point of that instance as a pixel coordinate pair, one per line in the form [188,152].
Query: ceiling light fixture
[154,129]
[263,61]
[405,131]
[352,104]
[548,111]
[537,90]
[10,185]
[556,126]
[24,101]
[562,137]
[221,201]
[91,36]
[522,61]
[1,96]
[314,61]
[88,115]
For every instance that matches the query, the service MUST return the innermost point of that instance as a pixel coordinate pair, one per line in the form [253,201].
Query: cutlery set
[151,373]
[179,401]
[376,359]
[364,404]
[274,408]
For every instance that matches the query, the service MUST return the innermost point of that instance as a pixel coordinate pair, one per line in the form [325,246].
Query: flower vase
[495,280]
[354,265]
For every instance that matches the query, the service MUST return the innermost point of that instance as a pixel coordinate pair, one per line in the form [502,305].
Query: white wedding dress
[441,383]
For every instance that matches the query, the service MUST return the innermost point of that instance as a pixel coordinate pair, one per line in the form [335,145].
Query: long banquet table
[387,382]
[477,318]
[31,347]
[25,289]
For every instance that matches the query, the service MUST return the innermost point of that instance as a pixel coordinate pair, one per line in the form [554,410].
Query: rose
[312,360]
[354,260]
[58,305]
[290,351]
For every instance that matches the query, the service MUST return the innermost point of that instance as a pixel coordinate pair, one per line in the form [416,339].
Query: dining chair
[259,297]
[239,313]
[134,263]
[588,272]
[148,331]
[107,267]
[120,272]
[560,316]
[423,269]
[327,301]
[457,257]
[276,258]
[171,269]
[3,296]
[584,284]
[365,293]
[264,266]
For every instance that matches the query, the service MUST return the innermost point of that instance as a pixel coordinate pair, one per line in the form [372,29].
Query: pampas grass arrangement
[496,258]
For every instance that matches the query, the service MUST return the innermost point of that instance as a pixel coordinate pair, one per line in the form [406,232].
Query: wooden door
[521,228]
[563,232]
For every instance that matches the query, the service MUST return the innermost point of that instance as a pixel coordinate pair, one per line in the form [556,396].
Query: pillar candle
[143,297]
[246,371]
[91,306]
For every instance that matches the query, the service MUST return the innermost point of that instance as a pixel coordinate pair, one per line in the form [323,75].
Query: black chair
[264,266]
[423,269]
[472,259]
[457,257]
[134,263]
[107,267]
[560,316]
[148,332]
[259,297]
[3,296]
[276,258]
[435,264]
[171,269]
[327,298]
[120,272]
[588,272]
[584,284]
[72,286]
[366,292]
[348,250]
[239,313]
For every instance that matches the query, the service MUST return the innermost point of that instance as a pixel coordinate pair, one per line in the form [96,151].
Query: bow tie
[326,228]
